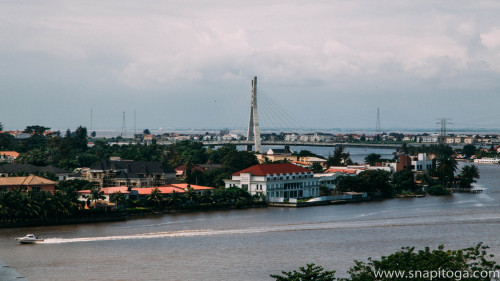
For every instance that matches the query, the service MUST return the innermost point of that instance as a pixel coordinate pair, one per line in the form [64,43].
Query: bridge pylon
[253,133]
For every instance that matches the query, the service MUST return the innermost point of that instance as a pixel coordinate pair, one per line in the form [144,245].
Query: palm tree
[155,198]
[175,200]
[191,194]
[96,194]
[446,168]
[118,198]
[467,175]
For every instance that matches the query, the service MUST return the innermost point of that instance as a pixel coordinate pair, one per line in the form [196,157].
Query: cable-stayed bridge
[254,137]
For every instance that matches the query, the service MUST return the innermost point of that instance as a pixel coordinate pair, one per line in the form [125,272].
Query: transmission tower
[135,122]
[442,135]
[377,127]
[124,129]
[91,117]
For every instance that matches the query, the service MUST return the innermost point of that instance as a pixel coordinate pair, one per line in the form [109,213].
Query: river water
[251,244]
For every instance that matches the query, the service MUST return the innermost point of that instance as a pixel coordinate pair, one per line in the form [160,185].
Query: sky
[189,64]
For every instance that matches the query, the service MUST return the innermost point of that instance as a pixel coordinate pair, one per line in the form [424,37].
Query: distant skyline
[189,64]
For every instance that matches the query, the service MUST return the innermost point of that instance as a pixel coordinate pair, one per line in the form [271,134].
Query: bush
[437,190]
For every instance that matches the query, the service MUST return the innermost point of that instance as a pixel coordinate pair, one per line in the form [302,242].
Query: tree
[118,198]
[155,198]
[35,157]
[310,273]
[464,261]
[469,150]
[446,167]
[238,160]
[372,158]
[36,130]
[317,168]
[468,175]
[96,194]
[339,157]
[403,180]
[191,194]
[146,132]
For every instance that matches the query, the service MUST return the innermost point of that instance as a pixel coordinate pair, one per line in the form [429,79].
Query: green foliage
[468,175]
[403,181]
[317,168]
[20,206]
[437,190]
[372,158]
[469,150]
[446,167]
[238,160]
[339,158]
[36,130]
[7,142]
[35,157]
[311,272]
[306,153]
[366,181]
[427,260]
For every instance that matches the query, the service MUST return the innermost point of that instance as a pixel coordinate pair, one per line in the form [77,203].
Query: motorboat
[29,239]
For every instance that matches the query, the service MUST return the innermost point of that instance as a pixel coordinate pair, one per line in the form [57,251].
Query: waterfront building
[130,173]
[28,183]
[486,160]
[312,160]
[277,182]
[107,192]
[275,154]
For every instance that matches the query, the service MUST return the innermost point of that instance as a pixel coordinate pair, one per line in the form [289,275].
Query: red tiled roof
[270,169]
[12,154]
[109,190]
[162,189]
[341,170]
[195,187]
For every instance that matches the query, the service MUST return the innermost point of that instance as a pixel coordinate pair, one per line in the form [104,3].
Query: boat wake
[392,222]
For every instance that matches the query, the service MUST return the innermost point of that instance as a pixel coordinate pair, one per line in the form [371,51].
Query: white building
[487,160]
[421,163]
[277,182]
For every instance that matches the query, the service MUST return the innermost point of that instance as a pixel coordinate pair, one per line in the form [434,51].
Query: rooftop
[270,169]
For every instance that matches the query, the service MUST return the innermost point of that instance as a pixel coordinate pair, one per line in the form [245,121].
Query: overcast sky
[189,64]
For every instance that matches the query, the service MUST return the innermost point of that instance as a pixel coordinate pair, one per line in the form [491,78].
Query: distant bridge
[292,143]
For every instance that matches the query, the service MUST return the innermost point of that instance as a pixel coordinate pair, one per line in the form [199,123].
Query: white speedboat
[29,239]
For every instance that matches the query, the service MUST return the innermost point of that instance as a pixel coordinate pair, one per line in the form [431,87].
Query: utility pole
[135,123]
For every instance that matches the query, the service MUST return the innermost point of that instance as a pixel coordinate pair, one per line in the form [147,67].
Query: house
[9,169]
[163,190]
[130,173]
[312,160]
[277,182]
[8,156]
[198,188]
[107,192]
[275,154]
[180,172]
[28,183]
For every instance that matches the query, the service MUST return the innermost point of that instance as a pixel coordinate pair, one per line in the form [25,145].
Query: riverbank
[122,216]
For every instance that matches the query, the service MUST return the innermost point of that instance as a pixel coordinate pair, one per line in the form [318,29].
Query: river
[251,244]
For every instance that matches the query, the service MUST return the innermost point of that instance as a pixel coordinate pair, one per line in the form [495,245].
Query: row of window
[289,177]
